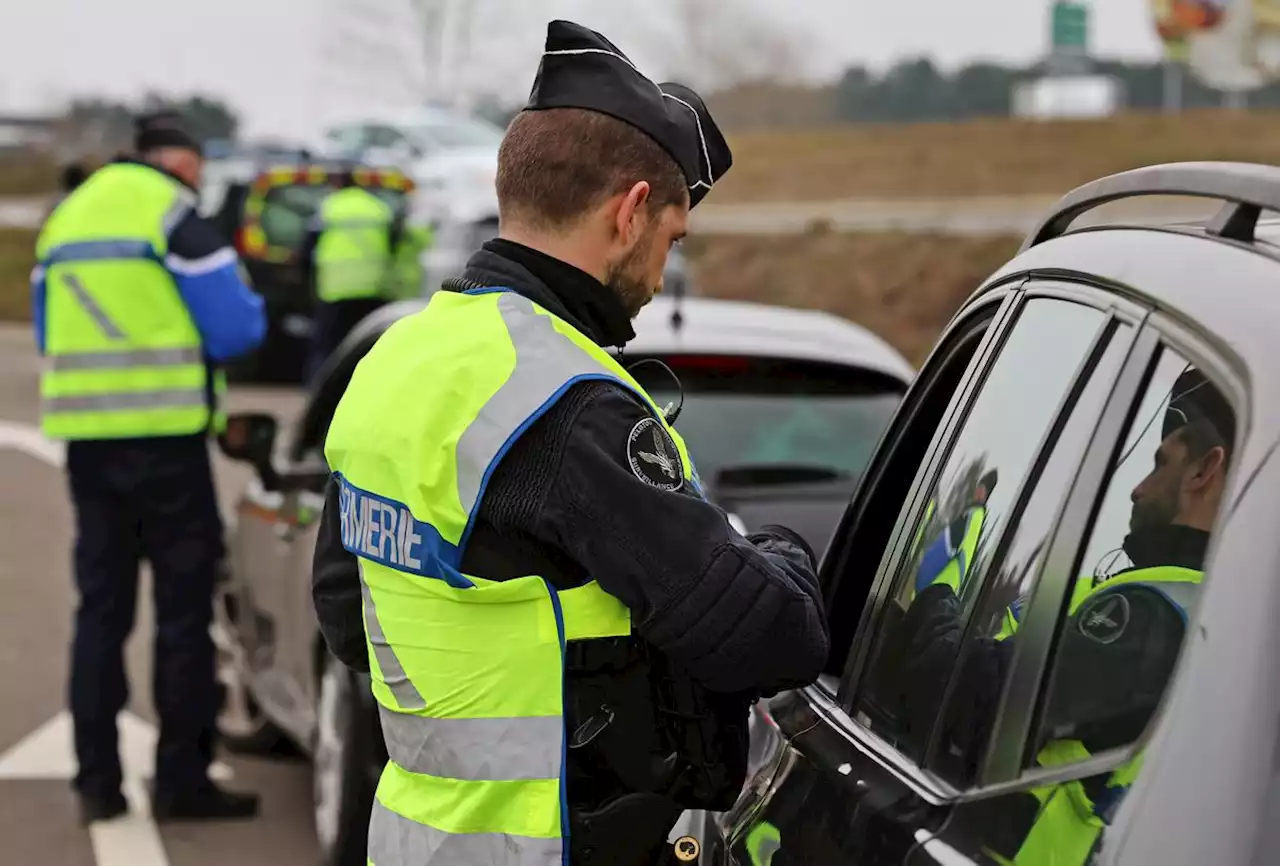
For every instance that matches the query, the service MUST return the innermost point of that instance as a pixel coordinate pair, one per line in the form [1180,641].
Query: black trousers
[147,499]
[330,327]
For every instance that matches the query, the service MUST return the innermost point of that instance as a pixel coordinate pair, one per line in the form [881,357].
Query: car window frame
[992,313]
[940,448]
[924,782]
[1160,331]
[1119,312]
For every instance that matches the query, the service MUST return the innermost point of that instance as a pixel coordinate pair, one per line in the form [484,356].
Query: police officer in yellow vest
[351,255]
[564,635]
[1117,650]
[135,300]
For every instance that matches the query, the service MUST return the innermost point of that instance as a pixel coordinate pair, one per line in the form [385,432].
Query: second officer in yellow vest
[350,253]
[564,635]
[136,300]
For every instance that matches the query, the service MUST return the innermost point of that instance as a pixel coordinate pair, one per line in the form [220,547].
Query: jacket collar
[564,290]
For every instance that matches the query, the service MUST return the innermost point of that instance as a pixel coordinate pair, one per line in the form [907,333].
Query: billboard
[1178,21]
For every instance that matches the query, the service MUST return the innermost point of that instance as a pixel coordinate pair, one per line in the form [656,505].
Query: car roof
[716,326]
[711,326]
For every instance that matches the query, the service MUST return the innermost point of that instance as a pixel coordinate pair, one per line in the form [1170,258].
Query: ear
[630,215]
[1208,467]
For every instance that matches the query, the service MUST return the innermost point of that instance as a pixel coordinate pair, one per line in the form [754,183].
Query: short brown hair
[556,164]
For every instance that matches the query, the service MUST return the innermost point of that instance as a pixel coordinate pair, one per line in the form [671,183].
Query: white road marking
[29,440]
[134,840]
[48,751]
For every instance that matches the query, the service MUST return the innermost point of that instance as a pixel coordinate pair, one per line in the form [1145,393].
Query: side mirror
[250,437]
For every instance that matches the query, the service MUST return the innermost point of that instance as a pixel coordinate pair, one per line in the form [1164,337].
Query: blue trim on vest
[516,434]
[486,290]
[116,249]
[564,726]
[410,545]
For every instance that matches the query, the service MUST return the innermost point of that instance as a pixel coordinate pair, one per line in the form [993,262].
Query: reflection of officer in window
[950,556]
[1116,653]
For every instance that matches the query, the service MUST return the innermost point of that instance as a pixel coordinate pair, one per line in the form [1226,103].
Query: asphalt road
[38,821]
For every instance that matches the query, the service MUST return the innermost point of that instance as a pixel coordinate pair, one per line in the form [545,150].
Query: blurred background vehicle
[265,213]
[781,410]
[451,156]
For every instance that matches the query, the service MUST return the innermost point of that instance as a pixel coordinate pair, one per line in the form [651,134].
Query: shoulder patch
[1104,618]
[653,456]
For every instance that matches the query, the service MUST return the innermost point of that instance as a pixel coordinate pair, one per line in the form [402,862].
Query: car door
[854,776]
[1082,695]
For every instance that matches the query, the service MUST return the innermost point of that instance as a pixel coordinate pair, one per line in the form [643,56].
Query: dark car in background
[265,213]
[781,410]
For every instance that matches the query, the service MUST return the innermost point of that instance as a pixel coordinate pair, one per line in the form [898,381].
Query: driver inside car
[1116,652]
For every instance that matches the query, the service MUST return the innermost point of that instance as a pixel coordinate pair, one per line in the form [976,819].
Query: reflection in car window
[967,509]
[965,732]
[1135,591]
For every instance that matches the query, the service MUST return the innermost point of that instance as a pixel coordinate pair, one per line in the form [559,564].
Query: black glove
[762,536]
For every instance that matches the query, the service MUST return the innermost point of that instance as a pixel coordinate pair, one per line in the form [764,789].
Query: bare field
[905,287]
[17,255]
[984,157]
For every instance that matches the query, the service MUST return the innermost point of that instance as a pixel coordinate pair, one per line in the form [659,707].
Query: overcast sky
[288,65]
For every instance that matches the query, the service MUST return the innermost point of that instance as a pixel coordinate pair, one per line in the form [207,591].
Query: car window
[968,507]
[743,413]
[848,574]
[1012,568]
[1133,593]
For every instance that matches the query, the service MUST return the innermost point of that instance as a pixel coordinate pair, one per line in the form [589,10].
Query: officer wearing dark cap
[137,300]
[1117,649]
[564,635]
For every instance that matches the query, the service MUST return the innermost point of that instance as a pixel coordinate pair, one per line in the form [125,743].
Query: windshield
[461,133]
[287,211]
[757,414]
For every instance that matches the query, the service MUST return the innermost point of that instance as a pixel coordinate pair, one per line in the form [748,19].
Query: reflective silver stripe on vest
[100,318]
[545,361]
[176,398]
[1183,593]
[475,750]
[397,841]
[405,692]
[124,359]
[356,223]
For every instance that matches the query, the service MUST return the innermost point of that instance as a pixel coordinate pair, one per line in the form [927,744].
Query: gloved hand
[763,537]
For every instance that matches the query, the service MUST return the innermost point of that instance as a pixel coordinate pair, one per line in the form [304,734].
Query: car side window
[969,505]
[960,742]
[1121,622]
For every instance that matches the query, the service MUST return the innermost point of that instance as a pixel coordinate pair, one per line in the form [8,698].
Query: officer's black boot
[206,802]
[102,807]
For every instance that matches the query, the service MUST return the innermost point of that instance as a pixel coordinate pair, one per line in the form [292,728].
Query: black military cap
[1195,398]
[162,129]
[582,69]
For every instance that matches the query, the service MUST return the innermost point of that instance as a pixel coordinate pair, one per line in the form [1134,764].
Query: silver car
[781,410]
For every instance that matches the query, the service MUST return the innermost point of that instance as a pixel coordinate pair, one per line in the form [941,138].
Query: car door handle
[284,531]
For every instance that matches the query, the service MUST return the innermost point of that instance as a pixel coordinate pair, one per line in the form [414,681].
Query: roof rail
[1247,188]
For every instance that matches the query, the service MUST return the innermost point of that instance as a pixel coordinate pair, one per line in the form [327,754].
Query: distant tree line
[917,90]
